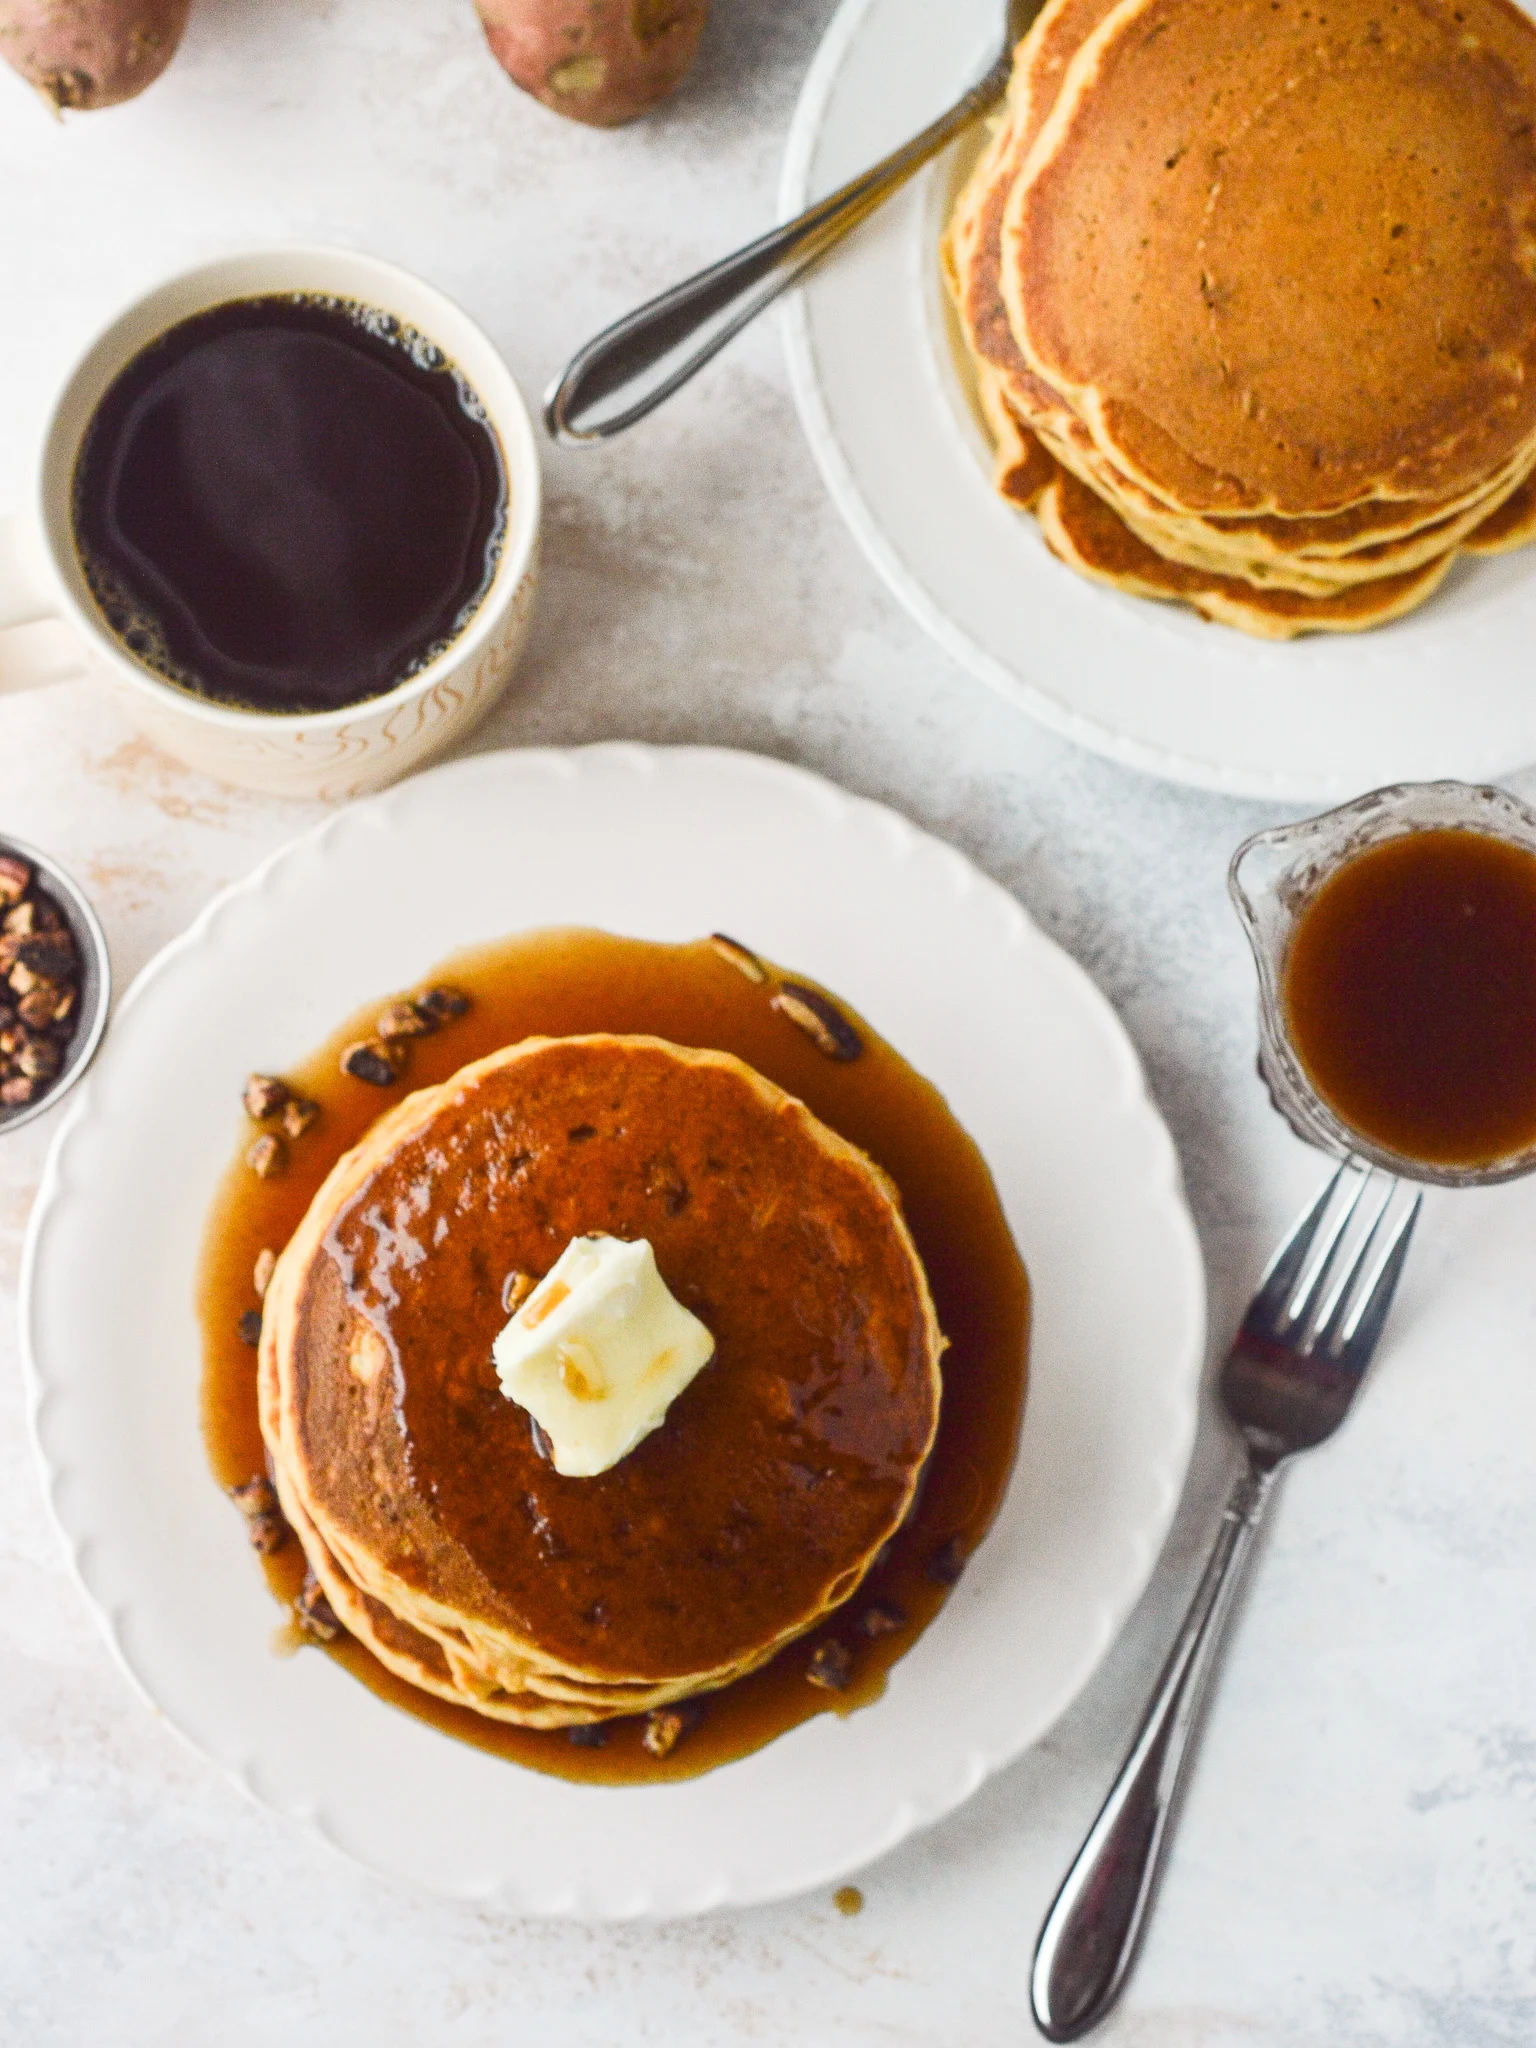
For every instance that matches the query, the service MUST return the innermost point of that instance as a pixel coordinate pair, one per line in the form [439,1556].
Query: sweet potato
[601,61]
[90,53]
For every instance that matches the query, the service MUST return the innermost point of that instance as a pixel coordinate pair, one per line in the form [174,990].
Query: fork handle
[1090,1934]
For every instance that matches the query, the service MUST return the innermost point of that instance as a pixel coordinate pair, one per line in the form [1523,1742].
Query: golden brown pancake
[417,1488]
[1254,563]
[1282,261]
[1092,538]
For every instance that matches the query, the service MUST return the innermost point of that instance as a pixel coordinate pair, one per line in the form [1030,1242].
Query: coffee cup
[335,753]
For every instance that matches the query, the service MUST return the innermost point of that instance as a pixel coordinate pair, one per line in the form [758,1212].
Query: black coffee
[289,504]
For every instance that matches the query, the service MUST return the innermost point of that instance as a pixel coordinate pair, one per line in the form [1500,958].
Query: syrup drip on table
[566,982]
[1409,992]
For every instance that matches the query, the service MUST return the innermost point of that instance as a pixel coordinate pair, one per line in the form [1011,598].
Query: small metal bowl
[95,979]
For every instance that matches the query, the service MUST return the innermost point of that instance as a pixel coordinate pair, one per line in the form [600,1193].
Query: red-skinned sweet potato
[90,53]
[601,61]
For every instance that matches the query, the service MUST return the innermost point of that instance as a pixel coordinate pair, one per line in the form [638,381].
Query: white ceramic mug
[311,754]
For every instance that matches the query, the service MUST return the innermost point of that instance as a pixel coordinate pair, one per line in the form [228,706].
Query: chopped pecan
[373,1061]
[405,1020]
[541,1442]
[49,954]
[257,1496]
[267,1157]
[665,1727]
[298,1114]
[23,979]
[265,1527]
[740,956]
[16,1091]
[443,1004]
[21,922]
[12,1039]
[250,1327]
[261,1278]
[821,1021]
[314,1613]
[881,1618]
[264,1096]
[831,1665]
[15,877]
[515,1290]
[39,1059]
[947,1563]
[36,1009]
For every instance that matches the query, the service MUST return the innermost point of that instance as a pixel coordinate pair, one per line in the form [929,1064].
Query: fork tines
[1331,1283]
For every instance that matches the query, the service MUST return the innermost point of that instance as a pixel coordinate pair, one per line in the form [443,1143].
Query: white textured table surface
[1357,1861]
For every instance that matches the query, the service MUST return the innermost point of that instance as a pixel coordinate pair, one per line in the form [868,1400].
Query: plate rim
[1183,1377]
[1168,763]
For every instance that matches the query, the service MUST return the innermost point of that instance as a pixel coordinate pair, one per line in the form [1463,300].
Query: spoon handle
[628,369]
[1089,1937]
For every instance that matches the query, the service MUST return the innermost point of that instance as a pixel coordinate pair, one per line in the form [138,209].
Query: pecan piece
[36,1010]
[947,1563]
[50,955]
[881,1618]
[39,1059]
[264,1096]
[665,1727]
[405,1020]
[21,922]
[16,1091]
[15,878]
[515,1290]
[371,1060]
[264,1524]
[822,1022]
[314,1613]
[267,1157]
[261,1278]
[250,1327]
[298,1114]
[831,1665]
[443,1004]
[740,956]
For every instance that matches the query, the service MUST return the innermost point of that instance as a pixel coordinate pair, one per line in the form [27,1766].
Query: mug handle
[25,593]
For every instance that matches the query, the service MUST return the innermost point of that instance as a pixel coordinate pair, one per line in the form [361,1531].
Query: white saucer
[1447,691]
[661,844]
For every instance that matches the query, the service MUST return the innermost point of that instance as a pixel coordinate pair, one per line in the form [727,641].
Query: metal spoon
[628,369]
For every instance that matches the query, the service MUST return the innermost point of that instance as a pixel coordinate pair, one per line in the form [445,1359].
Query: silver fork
[1292,1373]
[627,370]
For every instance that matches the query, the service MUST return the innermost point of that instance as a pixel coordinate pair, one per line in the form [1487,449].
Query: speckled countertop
[1357,1862]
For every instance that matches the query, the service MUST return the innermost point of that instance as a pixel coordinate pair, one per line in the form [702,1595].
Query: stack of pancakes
[444,1538]
[1250,291]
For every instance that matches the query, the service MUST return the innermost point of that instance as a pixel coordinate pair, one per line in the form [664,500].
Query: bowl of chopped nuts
[55,983]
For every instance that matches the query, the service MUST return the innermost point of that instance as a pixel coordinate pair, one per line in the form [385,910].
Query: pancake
[1077,127]
[1087,534]
[443,1537]
[1282,262]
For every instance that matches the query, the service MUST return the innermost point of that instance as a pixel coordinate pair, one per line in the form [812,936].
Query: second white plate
[660,844]
[1447,691]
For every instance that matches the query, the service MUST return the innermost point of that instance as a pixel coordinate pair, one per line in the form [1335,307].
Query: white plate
[660,844]
[1447,691]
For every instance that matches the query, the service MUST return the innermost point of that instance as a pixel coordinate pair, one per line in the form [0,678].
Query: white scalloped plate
[1447,691]
[661,844]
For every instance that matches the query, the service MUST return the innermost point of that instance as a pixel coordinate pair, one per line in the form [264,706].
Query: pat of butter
[598,1352]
